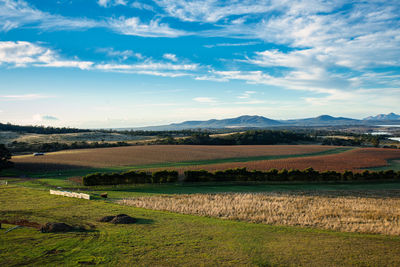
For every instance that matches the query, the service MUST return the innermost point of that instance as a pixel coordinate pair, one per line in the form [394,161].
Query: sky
[131,63]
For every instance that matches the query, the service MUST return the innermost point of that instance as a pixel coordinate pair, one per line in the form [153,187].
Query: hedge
[309,174]
[240,174]
[130,177]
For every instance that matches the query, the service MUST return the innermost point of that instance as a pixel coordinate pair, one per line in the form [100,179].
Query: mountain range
[248,121]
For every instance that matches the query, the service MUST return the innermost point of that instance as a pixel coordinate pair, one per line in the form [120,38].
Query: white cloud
[171,57]
[205,99]
[231,44]
[26,54]
[24,97]
[133,26]
[246,94]
[148,65]
[142,6]
[107,3]
[22,54]
[18,13]
[134,4]
[42,118]
[212,10]
[49,118]
[124,55]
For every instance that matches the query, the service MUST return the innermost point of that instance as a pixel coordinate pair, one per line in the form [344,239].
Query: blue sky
[123,63]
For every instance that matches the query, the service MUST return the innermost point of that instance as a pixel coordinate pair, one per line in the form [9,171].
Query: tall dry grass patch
[357,212]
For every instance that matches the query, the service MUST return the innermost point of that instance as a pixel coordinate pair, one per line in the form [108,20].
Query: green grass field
[392,165]
[168,239]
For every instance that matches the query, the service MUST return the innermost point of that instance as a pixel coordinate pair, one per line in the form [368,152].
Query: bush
[239,174]
[198,176]
[164,177]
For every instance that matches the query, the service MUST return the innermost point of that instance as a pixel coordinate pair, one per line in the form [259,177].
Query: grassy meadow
[162,238]
[200,224]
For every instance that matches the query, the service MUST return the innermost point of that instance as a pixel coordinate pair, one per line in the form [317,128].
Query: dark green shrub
[165,176]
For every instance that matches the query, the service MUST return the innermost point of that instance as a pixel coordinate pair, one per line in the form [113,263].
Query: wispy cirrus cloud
[171,57]
[209,100]
[125,54]
[211,10]
[133,26]
[134,4]
[26,54]
[24,97]
[22,54]
[18,14]
[231,44]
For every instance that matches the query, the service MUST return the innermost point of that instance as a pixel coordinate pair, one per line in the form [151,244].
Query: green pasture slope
[169,239]
[392,165]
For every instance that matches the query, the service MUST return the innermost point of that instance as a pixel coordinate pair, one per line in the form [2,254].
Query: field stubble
[364,212]
[354,160]
[140,155]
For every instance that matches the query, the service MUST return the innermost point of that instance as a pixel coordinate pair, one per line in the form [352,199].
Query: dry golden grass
[355,212]
[354,160]
[139,155]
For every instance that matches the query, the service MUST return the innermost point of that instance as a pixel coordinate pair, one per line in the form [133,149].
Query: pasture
[185,224]
[162,238]
[375,212]
[182,157]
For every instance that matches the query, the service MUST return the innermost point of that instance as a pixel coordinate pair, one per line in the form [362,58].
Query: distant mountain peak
[256,121]
[384,117]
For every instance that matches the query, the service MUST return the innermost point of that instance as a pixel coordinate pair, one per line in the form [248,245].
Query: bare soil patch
[353,160]
[140,155]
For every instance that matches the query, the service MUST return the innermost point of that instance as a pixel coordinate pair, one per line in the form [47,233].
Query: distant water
[395,138]
[380,133]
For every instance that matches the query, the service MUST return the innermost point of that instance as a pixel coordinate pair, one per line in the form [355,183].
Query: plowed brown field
[140,155]
[354,160]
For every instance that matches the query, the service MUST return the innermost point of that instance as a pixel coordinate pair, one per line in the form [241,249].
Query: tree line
[252,137]
[18,147]
[240,174]
[39,129]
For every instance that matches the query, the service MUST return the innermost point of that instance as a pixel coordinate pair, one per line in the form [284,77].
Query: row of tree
[240,174]
[130,177]
[17,147]
[39,129]
[252,137]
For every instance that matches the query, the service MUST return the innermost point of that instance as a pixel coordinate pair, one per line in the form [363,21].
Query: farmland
[169,239]
[160,154]
[354,160]
[230,223]
[210,158]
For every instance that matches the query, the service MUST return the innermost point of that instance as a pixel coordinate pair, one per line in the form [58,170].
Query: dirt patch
[56,228]
[25,223]
[76,179]
[119,219]
[107,219]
